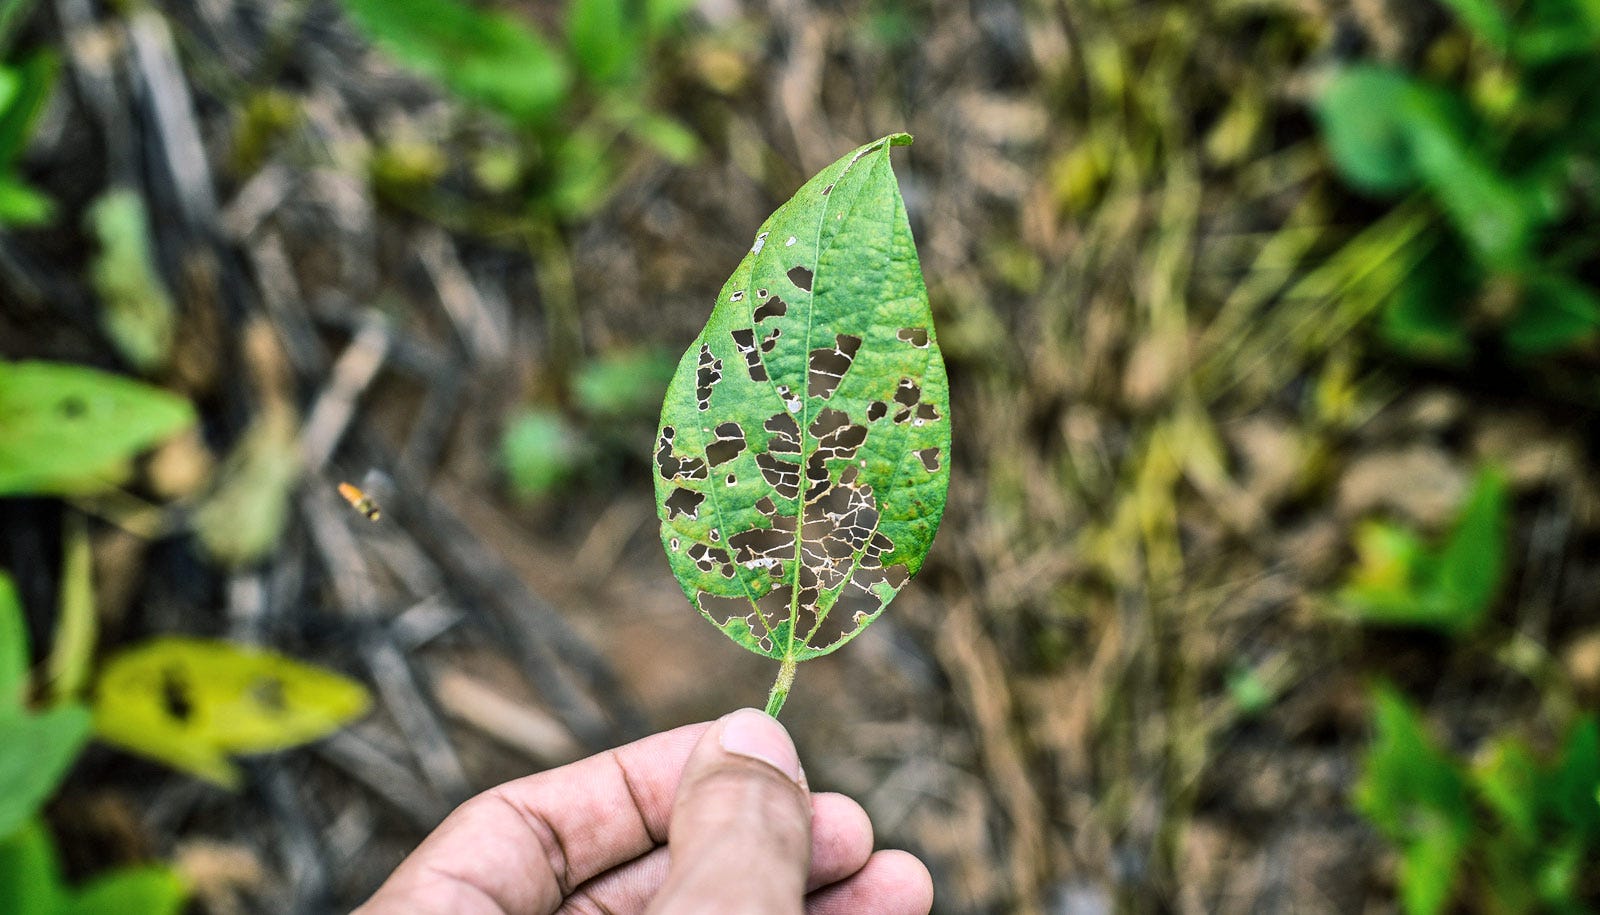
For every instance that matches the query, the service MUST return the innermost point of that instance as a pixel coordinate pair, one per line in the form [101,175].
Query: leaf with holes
[803,454]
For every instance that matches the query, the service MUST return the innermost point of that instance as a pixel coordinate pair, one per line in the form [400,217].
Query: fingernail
[753,733]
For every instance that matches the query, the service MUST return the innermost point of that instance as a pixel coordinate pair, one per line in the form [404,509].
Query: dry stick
[330,417]
[298,838]
[389,780]
[156,61]
[396,681]
[532,627]
[485,334]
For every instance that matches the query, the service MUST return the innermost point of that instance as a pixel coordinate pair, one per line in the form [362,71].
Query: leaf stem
[780,687]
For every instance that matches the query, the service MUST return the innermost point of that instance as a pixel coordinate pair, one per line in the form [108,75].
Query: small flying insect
[364,498]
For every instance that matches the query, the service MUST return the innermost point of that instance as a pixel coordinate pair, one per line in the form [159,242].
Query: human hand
[712,817]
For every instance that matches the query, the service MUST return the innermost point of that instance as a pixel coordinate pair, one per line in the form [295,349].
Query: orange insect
[364,500]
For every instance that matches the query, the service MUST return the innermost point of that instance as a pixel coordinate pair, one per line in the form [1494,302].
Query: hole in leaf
[737,296]
[671,466]
[790,242]
[765,547]
[877,410]
[728,444]
[801,277]
[771,308]
[916,336]
[72,407]
[829,365]
[761,242]
[732,480]
[930,458]
[770,340]
[175,694]
[827,190]
[709,374]
[744,340]
[675,543]
[791,400]
[684,502]
[782,476]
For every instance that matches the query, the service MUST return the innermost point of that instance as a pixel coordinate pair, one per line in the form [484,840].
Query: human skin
[710,817]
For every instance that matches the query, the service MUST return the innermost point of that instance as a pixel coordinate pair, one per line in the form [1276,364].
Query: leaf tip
[900,139]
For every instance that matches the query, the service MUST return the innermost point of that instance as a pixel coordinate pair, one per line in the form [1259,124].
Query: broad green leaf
[13,648]
[192,702]
[1370,117]
[804,447]
[540,450]
[1426,316]
[67,428]
[1471,564]
[35,753]
[242,519]
[30,875]
[147,890]
[493,59]
[1416,795]
[138,312]
[77,622]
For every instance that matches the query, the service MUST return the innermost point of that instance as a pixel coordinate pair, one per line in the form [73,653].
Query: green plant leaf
[606,39]
[492,59]
[35,753]
[30,875]
[540,450]
[1371,117]
[624,384]
[77,621]
[1485,19]
[1399,581]
[242,519]
[35,77]
[138,312]
[147,890]
[21,205]
[192,702]
[1416,795]
[13,648]
[804,447]
[1556,312]
[67,428]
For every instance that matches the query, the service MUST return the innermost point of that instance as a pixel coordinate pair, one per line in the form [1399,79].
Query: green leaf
[35,78]
[77,622]
[147,890]
[804,447]
[1556,312]
[492,59]
[35,753]
[1400,581]
[540,451]
[13,648]
[30,875]
[1485,19]
[243,518]
[624,384]
[1416,796]
[138,312]
[1370,117]
[21,205]
[67,428]
[605,39]
[192,702]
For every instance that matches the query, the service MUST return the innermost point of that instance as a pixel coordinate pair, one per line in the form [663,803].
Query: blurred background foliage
[1269,574]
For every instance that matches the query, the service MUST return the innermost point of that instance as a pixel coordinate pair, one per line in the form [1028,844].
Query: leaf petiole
[780,687]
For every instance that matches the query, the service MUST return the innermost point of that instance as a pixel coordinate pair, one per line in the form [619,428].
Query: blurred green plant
[36,750]
[614,397]
[137,310]
[1504,158]
[1519,831]
[1399,580]
[25,86]
[568,101]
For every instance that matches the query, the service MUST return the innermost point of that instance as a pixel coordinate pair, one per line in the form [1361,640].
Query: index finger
[523,846]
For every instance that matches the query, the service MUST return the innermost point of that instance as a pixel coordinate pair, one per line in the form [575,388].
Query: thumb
[740,835]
